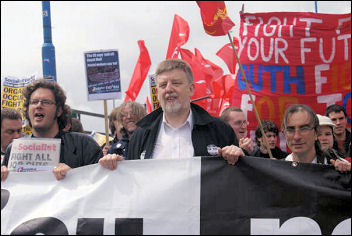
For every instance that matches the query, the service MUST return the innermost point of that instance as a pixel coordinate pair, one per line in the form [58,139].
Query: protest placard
[12,87]
[99,138]
[34,154]
[103,74]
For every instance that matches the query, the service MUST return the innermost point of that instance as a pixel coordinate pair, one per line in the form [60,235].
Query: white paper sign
[34,154]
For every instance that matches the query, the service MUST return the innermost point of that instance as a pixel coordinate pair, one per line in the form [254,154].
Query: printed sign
[34,154]
[103,74]
[11,96]
[153,92]
[99,138]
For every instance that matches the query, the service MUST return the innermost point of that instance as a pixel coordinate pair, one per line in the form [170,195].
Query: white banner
[162,194]
[187,196]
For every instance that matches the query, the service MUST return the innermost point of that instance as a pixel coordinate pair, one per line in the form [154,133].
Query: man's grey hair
[171,64]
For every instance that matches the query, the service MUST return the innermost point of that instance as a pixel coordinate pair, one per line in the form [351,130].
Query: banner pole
[252,101]
[199,99]
[106,122]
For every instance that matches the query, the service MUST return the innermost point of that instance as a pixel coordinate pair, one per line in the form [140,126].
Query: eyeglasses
[303,130]
[240,123]
[45,103]
[124,115]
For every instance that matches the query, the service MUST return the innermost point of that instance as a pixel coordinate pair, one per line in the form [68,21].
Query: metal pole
[316,6]
[48,49]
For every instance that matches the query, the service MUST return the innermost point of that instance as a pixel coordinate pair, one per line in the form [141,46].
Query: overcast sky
[81,26]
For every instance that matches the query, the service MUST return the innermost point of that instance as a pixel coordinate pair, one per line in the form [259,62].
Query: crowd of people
[178,129]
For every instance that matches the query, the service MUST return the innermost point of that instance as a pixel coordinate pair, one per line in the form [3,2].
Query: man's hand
[246,144]
[4,173]
[341,165]
[110,161]
[60,171]
[105,149]
[230,153]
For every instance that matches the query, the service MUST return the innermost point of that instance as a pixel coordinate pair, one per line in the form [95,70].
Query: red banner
[293,57]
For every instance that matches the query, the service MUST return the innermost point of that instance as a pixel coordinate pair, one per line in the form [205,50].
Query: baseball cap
[324,120]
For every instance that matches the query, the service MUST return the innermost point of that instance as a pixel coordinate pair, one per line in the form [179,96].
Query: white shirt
[174,143]
[290,158]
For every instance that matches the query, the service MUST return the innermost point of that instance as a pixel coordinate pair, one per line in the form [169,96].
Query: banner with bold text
[293,57]
[187,196]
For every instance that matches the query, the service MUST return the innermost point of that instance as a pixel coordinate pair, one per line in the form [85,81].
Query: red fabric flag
[139,74]
[228,56]
[210,73]
[210,70]
[179,36]
[204,72]
[128,98]
[214,16]
[225,103]
[223,86]
[201,86]
[149,106]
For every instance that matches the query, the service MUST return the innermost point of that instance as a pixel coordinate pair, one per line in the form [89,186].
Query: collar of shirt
[172,142]
[168,127]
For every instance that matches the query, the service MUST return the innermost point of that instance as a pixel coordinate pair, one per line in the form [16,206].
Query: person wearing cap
[326,136]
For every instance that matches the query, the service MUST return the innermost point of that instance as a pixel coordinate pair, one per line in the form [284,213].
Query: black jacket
[347,144]
[277,153]
[207,131]
[120,147]
[77,149]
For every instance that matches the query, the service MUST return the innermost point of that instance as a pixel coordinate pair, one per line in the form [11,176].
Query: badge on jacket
[212,150]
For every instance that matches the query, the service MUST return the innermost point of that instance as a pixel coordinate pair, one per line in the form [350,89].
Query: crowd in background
[178,128]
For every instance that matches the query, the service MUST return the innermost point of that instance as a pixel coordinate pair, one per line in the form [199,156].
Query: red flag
[204,72]
[214,16]
[225,103]
[201,87]
[179,36]
[139,74]
[223,86]
[149,106]
[210,70]
[228,56]
[128,98]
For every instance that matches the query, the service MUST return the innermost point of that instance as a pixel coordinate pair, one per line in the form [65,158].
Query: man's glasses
[45,103]
[125,115]
[303,130]
[240,123]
